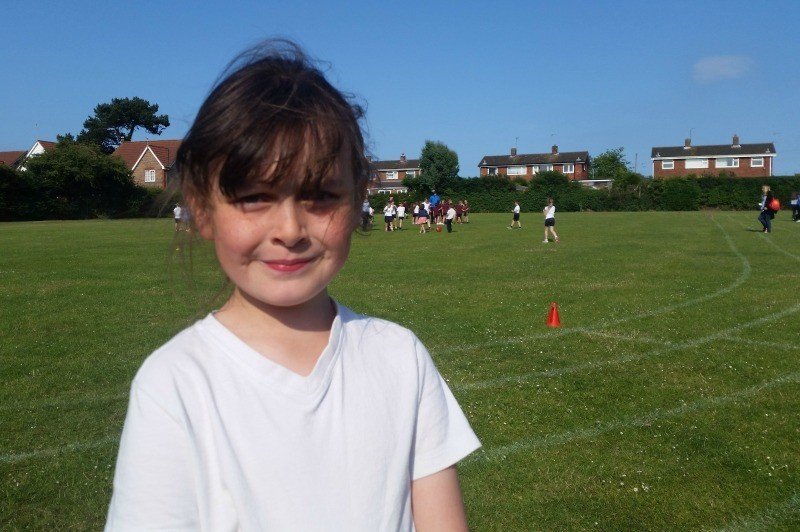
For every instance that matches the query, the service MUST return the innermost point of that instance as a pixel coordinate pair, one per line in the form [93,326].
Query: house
[573,164]
[12,158]
[386,177]
[38,148]
[741,160]
[150,161]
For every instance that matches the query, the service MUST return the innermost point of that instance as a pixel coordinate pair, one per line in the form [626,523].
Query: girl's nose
[289,229]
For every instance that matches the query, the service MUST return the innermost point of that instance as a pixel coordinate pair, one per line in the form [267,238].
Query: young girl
[549,220]
[285,410]
[515,217]
[767,214]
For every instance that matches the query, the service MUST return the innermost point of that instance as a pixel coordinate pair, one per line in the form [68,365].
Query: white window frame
[517,170]
[391,175]
[536,168]
[568,168]
[668,164]
[149,176]
[411,173]
[492,170]
[695,164]
[753,162]
[734,162]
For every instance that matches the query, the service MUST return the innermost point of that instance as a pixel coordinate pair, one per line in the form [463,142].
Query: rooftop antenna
[516,142]
[690,133]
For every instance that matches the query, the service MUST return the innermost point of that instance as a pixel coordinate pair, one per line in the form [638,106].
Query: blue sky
[476,76]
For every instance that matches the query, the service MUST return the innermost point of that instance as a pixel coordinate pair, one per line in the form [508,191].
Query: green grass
[670,398]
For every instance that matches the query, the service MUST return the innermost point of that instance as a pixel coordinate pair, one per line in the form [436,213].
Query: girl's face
[279,245]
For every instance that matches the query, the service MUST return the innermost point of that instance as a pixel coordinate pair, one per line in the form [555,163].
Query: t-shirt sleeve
[154,486]
[443,435]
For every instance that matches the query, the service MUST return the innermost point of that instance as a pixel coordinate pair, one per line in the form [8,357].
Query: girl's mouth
[292,265]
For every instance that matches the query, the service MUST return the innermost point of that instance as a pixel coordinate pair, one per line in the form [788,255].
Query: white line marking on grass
[63,402]
[549,440]
[768,239]
[616,336]
[555,333]
[766,520]
[761,343]
[590,366]
[13,458]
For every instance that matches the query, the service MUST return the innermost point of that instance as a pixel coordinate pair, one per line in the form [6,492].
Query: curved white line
[555,333]
[550,440]
[591,366]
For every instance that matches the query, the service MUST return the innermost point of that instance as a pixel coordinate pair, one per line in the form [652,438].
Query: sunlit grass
[669,399]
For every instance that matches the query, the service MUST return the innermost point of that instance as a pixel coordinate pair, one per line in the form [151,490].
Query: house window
[149,176]
[757,162]
[411,173]
[391,175]
[728,162]
[668,164]
[568,169]
[493,170]
[696,163]
[516,170]
[542,168]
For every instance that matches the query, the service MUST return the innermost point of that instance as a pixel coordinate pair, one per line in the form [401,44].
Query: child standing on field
[549,220]
[177,213]
[284,410]
[515,216]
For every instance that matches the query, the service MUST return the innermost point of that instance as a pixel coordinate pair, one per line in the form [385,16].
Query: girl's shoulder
[370,336]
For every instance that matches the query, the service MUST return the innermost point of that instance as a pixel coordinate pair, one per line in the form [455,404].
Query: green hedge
[497,194]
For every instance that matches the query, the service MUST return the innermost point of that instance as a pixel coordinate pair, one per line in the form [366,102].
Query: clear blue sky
[583,75]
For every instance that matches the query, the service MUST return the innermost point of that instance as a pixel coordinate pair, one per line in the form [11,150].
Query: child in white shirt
[284,410]
[549,220]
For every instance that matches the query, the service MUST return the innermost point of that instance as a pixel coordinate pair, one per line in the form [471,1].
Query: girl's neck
[293,337]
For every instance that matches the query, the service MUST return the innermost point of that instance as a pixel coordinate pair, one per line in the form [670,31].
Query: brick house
[12,158]
[150,161]
[573,164]
[741,160]
[386,177]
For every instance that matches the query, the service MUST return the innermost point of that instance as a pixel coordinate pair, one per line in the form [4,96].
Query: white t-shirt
[176,212]
[451,213]
[218,437]
[549,212]
[388,210]
[416,209]
[516,209]
[401,211]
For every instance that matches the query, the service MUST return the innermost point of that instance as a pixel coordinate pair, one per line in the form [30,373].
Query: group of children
[549,213]
[424,214]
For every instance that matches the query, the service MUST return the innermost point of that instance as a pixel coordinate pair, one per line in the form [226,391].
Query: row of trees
[77,178]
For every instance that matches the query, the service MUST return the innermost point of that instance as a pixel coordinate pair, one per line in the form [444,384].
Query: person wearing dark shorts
[515,218]
[549,220]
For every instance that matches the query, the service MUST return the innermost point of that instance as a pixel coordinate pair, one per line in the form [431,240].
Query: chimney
[554,149]
[513,152]
[687,144]
[736,142]
[402,158]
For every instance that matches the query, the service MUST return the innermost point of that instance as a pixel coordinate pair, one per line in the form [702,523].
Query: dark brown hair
[272,115]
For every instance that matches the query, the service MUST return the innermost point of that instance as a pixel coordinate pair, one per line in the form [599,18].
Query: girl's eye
[320,196]
[252,201]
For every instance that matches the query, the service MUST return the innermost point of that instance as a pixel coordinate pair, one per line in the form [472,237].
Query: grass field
[669,399]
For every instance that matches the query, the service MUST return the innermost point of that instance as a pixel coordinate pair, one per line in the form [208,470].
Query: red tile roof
[165,150]
[10,157]
[47,144]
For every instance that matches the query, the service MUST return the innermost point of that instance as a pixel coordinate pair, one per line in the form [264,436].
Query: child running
[284,410]
[549,220]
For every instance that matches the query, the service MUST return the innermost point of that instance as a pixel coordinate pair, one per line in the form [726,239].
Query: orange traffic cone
[552,317]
